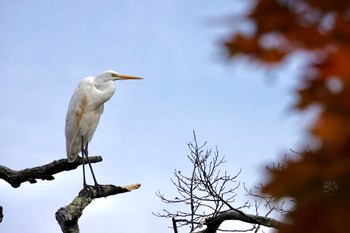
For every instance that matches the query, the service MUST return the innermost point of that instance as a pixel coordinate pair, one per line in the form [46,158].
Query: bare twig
[45,172]
[270,203]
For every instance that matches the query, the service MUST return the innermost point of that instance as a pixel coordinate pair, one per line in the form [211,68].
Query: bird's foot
[99,190]
[95,190]
[89,189]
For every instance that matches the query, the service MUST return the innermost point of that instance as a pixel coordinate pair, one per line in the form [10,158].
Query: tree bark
[68,216]
[45,172]
[214,223]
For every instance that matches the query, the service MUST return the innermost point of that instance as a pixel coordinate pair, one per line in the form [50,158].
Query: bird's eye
[97,86]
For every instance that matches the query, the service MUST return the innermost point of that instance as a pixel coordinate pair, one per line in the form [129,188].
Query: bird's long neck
[104,91]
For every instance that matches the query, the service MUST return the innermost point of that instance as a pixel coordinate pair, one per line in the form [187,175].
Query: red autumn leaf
[321,28]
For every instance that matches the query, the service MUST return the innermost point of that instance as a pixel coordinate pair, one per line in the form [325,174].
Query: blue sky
[47,47]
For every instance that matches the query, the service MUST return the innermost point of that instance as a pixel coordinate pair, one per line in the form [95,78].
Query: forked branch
[68,216]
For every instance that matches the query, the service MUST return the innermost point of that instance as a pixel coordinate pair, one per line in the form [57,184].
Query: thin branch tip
[132,186]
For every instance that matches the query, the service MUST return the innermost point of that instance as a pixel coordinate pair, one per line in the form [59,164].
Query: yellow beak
[122,76]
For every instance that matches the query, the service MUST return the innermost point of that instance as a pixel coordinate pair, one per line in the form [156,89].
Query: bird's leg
[83,155]
[92,172]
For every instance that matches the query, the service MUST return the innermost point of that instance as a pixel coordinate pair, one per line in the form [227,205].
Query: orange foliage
[321,28]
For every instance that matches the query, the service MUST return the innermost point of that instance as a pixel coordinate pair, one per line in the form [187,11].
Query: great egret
[84,111]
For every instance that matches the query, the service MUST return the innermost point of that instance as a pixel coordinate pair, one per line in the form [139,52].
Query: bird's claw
[97,188]
[89,189]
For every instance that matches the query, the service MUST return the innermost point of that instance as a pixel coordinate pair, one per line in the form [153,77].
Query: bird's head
[111,75]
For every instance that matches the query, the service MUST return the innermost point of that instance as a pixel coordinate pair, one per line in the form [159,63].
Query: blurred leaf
[321,28]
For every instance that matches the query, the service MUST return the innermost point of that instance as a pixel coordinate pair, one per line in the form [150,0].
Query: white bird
[84,111]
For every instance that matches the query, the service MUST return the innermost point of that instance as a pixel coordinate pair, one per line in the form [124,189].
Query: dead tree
[209,196]
[68,216]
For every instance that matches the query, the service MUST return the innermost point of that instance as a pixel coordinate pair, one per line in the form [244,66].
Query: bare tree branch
[68,216]
[174,225]
[214,223]
[210,195]
[45,172]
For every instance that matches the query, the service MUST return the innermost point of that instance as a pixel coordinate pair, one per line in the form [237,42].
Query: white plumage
[85,109]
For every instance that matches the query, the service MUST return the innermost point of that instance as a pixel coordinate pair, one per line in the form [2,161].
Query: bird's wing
[76,109]
[73,147]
